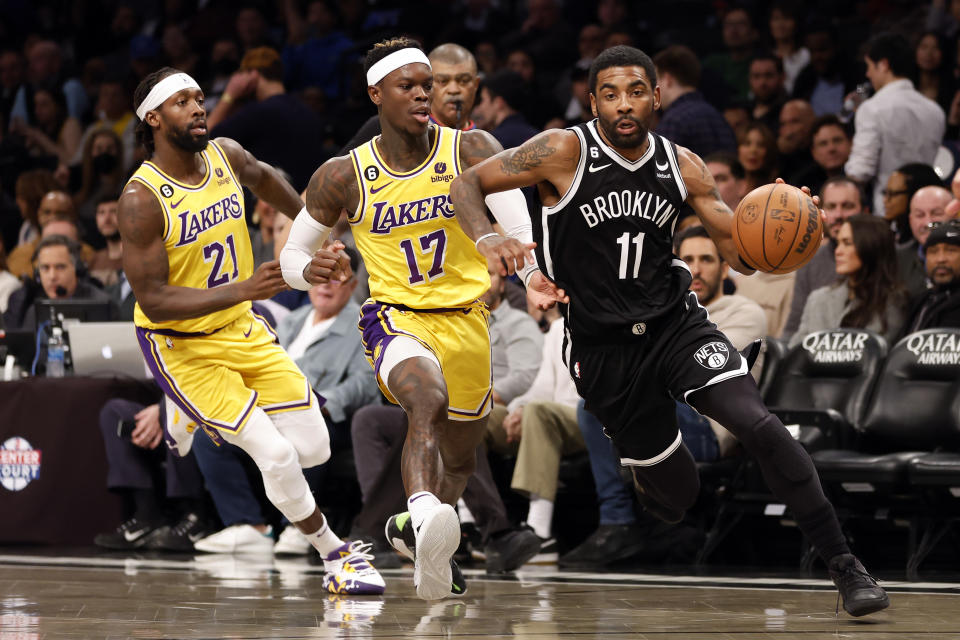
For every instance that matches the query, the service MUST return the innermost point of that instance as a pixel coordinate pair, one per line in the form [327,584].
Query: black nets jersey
[608,241]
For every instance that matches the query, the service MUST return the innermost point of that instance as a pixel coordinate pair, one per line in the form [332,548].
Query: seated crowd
[761,95]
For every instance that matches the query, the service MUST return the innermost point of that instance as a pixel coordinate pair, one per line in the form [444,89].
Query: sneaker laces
[359,556]
[850,573]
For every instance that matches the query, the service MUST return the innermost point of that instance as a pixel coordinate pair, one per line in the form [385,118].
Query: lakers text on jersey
[413,247]
[205,235]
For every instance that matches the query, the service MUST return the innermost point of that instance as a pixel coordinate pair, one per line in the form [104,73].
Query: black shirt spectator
[276,127]
[940,307]
[498,110]
[688,119]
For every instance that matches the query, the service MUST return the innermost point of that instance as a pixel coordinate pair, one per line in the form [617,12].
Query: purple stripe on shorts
[164,380]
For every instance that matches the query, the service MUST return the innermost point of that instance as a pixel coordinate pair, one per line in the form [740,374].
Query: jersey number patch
[435,242]
[624,241]
[215,252]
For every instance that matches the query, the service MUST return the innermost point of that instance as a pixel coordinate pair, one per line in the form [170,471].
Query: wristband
[484,237]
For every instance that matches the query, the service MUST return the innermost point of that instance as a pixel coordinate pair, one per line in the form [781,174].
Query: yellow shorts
[218,378]
[459,338]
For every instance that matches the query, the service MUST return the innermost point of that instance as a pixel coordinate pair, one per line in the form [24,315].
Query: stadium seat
[819,388]
[914,411]
[774,350]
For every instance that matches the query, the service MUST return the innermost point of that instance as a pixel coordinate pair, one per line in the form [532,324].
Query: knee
[464,466]
[307,432]
[770,442]
[430,407]
[113,411]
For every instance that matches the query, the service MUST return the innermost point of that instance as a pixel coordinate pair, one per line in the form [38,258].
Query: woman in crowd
[102,174]
[54,133]
[757,152]
[901,185]
[868,293]
[934,76]
[30,188]
[785,19]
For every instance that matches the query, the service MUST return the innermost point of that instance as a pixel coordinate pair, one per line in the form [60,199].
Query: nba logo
[440,167]
[576,369]
[219,172]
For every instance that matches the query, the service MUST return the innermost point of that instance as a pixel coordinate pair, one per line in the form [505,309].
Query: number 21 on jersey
[432,246]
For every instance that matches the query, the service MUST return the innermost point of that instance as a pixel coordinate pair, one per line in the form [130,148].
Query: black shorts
[632,387]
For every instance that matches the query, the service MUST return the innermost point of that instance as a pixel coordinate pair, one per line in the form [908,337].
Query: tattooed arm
[549,156]
[509,208]
[716,216]
[262,179]
[147,266]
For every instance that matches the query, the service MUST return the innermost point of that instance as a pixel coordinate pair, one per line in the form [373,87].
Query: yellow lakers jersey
[413,248]
[205,234]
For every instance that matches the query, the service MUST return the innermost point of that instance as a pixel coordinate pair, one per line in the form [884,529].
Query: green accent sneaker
[401,536]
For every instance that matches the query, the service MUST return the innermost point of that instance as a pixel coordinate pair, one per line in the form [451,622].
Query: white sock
[464,512]
[324,540]
[419,504]
[540,516]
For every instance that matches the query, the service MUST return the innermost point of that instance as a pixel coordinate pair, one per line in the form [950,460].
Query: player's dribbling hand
[806,190]
[506,255]
[266,282]
[328,264]
[543,293]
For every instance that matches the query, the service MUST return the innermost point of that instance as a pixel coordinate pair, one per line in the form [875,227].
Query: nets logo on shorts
[19,464]
[712,355]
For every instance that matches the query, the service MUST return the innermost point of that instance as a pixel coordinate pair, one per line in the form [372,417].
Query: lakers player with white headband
[188,259]
[424,328]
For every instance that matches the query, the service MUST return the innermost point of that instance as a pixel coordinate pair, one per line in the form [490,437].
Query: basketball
[777,228]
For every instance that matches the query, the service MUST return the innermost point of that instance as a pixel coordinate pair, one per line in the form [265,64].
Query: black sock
[147,507]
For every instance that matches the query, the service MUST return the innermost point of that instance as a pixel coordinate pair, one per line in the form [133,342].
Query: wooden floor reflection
[228,597]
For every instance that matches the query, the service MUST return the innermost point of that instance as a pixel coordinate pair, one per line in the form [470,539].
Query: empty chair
[914,410]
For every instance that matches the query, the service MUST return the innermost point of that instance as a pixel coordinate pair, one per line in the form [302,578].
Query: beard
[617,139]
[185,140]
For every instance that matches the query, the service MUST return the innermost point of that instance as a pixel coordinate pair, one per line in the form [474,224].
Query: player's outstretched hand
[506,255]
[266,282]
[328,264]
[542,292]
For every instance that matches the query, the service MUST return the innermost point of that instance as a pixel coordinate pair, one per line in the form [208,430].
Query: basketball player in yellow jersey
[187,256]
[424,329]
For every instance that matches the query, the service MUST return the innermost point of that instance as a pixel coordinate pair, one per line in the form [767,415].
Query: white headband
[393,62]
[163,90]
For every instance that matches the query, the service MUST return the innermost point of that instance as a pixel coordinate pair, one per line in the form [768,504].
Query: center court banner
[54,469]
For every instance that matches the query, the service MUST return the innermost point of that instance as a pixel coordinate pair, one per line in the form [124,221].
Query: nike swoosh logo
[663,168]
[246,334]
[380,188]
[594,169]
[133,535]
[177,203]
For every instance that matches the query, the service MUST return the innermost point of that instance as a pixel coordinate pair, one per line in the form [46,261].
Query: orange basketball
[777,228]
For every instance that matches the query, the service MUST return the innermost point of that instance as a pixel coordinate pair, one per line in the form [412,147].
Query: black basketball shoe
[132,534]
[860,592]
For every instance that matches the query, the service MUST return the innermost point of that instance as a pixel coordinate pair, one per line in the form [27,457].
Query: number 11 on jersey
[624,241]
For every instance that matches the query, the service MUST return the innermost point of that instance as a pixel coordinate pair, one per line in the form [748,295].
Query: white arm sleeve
[307,236]
[510,210]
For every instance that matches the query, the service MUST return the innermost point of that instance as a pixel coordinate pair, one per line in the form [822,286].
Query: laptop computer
[105,347]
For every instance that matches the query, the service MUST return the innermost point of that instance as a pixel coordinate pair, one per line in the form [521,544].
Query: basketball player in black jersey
[636,338]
